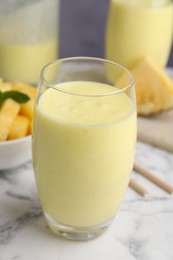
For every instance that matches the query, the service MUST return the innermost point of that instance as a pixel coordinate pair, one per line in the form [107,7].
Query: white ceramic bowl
[15,153]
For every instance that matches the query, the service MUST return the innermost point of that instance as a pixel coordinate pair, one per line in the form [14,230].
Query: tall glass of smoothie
[139,28]
[83,144]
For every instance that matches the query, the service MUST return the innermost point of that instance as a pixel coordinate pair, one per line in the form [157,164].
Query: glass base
[76,233]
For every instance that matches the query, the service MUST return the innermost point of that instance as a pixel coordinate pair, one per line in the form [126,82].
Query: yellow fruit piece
[8,113]
[16,119]
[154,87]
[24,88]
[30,127]
[27,109]
[5,86]
[19,128]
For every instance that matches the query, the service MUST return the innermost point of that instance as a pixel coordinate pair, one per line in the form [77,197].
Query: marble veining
[142,229]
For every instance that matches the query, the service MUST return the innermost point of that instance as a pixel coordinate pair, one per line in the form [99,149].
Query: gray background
[82,28]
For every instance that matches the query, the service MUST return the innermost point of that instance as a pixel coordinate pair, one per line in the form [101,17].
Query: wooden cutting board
[157,130]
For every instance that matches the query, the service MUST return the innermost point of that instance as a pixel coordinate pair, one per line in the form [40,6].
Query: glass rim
[87,58]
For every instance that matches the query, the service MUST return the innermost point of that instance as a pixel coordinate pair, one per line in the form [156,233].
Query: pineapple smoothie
[139,28]
[83,151]
[24,62]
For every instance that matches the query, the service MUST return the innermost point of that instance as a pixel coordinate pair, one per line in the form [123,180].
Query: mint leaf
[15,95]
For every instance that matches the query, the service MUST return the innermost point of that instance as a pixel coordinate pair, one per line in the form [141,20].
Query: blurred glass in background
[138,29]
[82,28]
[35,32]
[28,38]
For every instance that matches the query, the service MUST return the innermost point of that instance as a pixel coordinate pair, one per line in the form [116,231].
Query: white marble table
[142,230]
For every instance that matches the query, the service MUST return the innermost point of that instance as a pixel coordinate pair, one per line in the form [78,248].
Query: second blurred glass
[139,28]
[28,38]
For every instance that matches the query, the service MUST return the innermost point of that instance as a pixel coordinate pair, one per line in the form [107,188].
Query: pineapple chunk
[27,109]
[16,119]
[19,128]
[24,88]
[30,126]
[154,87]
[8,113]
[5,86]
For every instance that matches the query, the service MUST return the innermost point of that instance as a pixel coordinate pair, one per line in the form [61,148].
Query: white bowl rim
[15,141]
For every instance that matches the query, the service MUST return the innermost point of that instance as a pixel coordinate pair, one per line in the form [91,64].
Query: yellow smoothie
[138,28]
[83,152]
[24,61]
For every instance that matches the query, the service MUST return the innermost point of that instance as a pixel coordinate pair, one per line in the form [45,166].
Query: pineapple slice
[19,128]
[24,88]
[30,127]
[154,87]
[27,109]
[16,119]
[5,86]
[8,113]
